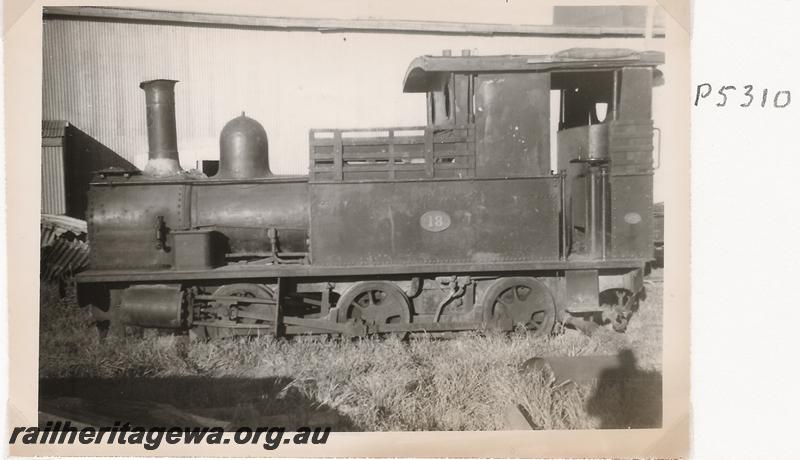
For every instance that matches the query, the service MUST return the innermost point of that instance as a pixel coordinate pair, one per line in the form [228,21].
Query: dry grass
[426,383]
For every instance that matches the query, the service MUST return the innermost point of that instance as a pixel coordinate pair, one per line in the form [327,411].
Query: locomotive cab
[593,106]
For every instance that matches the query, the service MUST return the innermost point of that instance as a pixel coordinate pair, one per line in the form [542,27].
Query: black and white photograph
[296,221]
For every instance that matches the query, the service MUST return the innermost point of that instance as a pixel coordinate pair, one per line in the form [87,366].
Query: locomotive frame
[460,224]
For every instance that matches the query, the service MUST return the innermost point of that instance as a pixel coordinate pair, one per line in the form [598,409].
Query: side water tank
[243,150]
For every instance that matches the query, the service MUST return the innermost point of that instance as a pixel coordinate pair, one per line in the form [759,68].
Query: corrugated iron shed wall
[54,200]
[290,81]
[606,15]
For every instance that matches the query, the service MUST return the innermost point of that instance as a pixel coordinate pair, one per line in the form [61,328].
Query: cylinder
[162,138]
[243,150]
[153,306]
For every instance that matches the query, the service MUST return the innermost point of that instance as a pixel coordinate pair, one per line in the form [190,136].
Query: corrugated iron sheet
[54,200]
[64,250]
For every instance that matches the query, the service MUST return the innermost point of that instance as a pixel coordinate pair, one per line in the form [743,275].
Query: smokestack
[162,138]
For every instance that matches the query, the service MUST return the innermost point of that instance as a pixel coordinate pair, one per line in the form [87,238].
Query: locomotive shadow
[626,396]
[229,403]
[622,395]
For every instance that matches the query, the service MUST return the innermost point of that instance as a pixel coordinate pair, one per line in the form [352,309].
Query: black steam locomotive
[460,224]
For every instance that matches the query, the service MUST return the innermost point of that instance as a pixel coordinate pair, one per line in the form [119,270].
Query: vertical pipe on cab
[562,178]
[162,138]
[614,95]
[592,223]
[603,210]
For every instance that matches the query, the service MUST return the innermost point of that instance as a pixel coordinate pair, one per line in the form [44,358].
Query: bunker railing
[391,153]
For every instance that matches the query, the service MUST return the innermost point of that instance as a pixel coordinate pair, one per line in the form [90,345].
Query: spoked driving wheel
[618,307]
[243,290]
[374,303]
[524,300]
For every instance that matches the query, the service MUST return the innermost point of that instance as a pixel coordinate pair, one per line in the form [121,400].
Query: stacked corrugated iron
[64,249]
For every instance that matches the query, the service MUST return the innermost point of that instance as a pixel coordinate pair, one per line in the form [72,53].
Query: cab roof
[425,71]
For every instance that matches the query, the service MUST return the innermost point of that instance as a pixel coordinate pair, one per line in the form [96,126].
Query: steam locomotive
[460,224]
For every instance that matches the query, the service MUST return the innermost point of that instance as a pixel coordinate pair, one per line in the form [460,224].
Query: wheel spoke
[502,302]
[501,308]
[362,301]
[357,311]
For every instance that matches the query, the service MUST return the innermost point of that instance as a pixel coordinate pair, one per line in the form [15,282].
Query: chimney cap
[157,80]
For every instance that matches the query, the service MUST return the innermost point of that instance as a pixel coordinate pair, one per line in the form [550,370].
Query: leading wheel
[374,303]
[526,301]
[233,290]
[618,307]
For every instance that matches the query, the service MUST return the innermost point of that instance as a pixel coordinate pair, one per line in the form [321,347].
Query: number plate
[435,221]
